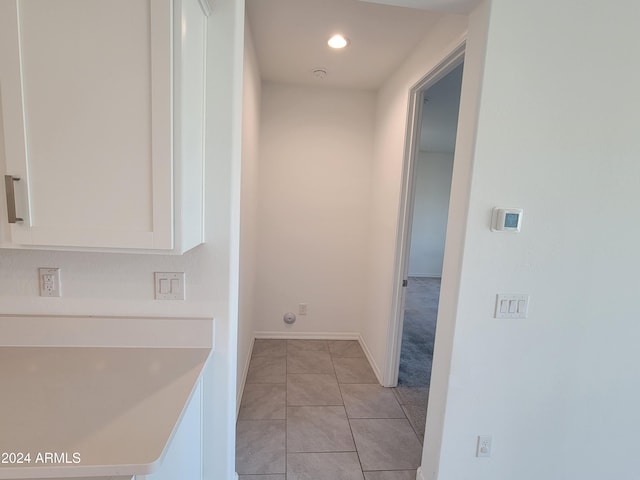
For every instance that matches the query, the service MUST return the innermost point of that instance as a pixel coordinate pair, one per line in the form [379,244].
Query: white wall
[431,207]
[249,205]
[557,135]
[454,247]
[315,156]
[391,120]
[121,284]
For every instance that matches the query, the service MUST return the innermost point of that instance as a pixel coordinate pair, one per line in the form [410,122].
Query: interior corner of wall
[242,381]
[372,361]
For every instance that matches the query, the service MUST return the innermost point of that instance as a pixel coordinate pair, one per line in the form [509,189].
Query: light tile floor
[313,409]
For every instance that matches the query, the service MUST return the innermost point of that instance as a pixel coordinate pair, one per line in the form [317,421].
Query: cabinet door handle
[11,198]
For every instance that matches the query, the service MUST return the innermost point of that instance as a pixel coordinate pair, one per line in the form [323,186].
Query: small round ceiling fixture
[320,73]
[338,41]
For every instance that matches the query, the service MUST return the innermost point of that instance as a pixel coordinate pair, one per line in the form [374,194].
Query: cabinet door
[87,108]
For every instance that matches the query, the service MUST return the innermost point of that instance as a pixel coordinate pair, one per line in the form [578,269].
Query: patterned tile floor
[313,409]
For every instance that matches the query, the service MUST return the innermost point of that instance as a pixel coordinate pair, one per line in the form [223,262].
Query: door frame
[405,212]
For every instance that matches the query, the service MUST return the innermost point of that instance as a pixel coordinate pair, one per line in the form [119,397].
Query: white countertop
[101,410]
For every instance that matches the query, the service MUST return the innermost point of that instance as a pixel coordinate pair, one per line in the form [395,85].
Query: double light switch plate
[169,285]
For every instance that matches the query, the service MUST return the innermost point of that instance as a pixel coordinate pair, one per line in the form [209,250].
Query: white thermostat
[506,220]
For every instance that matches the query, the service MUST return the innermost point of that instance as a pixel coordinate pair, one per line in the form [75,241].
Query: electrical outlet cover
[49,279]
[484,446]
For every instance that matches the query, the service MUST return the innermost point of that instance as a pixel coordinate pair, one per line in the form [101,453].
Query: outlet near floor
[484,446]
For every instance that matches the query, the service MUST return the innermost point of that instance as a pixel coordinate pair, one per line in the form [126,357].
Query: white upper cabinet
[102,116]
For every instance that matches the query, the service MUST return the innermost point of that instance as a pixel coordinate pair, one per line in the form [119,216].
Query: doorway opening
[427,175]
[433,171]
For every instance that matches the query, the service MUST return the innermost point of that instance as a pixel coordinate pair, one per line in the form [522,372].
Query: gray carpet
[418,333]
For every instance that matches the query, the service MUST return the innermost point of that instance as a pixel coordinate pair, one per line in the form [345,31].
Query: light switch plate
[169,285]
[511,305]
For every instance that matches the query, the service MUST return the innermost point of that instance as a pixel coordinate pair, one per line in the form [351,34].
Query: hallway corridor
[313,410]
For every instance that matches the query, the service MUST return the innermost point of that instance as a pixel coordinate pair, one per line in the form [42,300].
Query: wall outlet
[302,309]
[49,282]
[484,446]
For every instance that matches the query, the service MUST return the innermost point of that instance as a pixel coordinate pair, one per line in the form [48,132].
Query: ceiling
[290,40]
[290,37]
[451,6]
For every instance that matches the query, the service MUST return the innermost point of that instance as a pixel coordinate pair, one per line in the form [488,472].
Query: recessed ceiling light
[338,41]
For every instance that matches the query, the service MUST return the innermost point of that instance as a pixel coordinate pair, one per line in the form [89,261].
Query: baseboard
[425,275]
[419,475]
[308,335]
[243,379]
[372,362]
